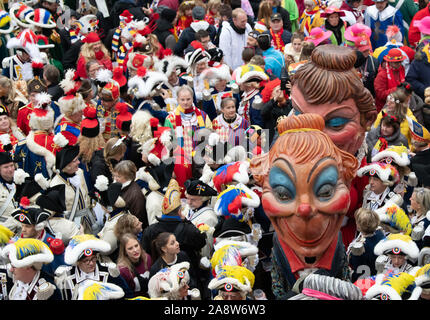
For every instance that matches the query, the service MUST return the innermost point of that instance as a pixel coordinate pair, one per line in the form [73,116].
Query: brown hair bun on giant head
[330,77]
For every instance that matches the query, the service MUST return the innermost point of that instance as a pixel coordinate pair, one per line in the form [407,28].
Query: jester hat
[84,244]
[26,252]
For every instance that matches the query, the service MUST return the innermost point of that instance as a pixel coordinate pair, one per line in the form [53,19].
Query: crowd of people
[155,150]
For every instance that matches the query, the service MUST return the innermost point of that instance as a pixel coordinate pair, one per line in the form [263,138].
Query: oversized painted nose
[304,210]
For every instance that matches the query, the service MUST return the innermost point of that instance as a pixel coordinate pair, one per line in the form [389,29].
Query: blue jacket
[418,75]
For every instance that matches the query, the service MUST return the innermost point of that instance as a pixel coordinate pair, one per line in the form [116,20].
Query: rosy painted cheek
[341,204]
[271,207]
[348,139]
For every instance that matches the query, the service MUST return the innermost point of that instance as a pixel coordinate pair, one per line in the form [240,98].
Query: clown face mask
[305,180]
[306,204]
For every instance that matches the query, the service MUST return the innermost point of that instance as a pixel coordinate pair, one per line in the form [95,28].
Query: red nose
[304,210]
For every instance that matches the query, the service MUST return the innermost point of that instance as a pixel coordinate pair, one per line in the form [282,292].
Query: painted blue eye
[296,112]
[336,123]
[325,184]
[281,184]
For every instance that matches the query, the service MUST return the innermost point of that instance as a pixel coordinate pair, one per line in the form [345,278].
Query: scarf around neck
[238,30]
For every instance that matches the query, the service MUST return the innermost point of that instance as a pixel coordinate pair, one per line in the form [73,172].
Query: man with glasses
[84,262]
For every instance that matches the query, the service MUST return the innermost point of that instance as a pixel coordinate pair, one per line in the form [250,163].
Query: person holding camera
[276,104]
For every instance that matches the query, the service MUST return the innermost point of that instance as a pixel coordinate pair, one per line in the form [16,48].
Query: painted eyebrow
[316,165]
[291,168]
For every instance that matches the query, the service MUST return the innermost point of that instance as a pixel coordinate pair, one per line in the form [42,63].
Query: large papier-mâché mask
[305,180]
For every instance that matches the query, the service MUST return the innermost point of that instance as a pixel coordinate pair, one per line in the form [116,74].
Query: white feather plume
[43,98]
[104,75]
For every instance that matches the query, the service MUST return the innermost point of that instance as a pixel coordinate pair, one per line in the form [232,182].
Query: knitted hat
[397,154]
[84,245]
[198,13]
[384,171]
[397,244]
[6,24]
[172,197]
[123,118]
[90,126]
[41,18]
[27,252]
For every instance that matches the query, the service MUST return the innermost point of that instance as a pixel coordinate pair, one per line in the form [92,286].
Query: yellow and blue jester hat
[95,290]
[27,252]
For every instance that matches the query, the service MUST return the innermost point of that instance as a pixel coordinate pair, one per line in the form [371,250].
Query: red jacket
[414,35]
[382,89]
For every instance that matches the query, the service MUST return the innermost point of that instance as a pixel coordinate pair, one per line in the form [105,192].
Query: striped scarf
[185,140]
[115,39]
[122,52]
[277,41]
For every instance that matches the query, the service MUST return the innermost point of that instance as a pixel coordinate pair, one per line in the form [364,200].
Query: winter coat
[418,75]
[232,44]
[397,139]
[382,89]
[189,35]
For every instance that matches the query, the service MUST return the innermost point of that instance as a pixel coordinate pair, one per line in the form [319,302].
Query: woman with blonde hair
[13,95]
[263,17]
[92,48]
[420,216]
[134,264]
